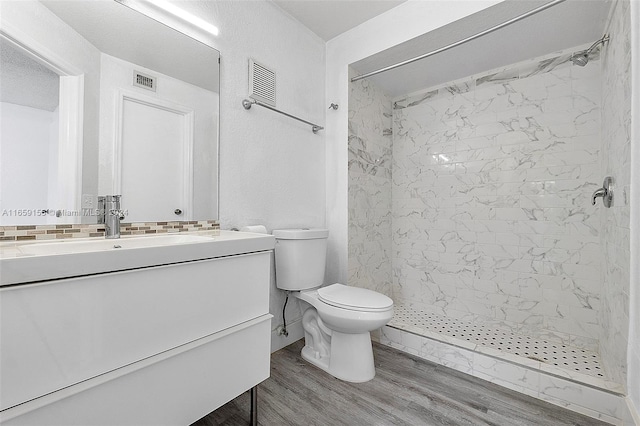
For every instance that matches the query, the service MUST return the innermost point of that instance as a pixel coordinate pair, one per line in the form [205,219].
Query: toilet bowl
[337,338]
[337,319]
[349,310]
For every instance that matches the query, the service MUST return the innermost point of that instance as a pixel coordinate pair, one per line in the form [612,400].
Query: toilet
[337,318]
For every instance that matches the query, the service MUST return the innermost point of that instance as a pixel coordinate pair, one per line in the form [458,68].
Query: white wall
[633,356]
[272,168]
[401,23]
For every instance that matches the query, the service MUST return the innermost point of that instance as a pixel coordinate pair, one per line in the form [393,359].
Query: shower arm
[603,40]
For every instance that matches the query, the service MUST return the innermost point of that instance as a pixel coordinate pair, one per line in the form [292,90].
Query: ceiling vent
[262,83]
[143,80]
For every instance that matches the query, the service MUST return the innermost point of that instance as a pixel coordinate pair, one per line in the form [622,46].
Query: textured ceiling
[563,26]
[26,82]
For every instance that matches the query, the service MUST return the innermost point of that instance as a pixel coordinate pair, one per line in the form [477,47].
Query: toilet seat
[354,298]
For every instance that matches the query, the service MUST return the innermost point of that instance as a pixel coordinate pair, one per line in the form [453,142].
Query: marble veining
[491,215]
[370,164]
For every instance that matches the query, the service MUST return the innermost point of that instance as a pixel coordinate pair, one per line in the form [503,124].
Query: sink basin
[66,247]
[28,262]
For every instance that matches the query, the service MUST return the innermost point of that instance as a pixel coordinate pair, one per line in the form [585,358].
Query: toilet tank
[301,255]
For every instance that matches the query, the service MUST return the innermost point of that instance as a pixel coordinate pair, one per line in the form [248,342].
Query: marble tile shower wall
[492,219]
[369,191]
[616,154]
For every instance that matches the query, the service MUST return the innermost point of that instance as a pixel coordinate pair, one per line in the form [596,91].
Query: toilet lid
[354,298]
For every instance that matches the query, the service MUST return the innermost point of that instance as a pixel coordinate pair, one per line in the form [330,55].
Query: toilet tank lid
[300,234]
[354,298]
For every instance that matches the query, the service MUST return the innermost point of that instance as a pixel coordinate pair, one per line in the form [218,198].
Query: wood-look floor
[406,391]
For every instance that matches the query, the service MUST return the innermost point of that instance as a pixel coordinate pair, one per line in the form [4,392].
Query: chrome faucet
[112,216]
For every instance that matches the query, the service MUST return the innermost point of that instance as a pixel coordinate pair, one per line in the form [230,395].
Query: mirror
[99,99]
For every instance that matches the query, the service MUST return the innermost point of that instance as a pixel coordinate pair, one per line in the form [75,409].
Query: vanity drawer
[176,387]
[58,333]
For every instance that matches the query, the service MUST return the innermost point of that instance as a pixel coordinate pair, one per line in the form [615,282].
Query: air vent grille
[262,83]
[143,80]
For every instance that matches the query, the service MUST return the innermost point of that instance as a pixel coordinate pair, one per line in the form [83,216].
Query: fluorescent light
[180,13]
[171,15]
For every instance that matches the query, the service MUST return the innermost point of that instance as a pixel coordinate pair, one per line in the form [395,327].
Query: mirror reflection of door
[38,170]
[155,161]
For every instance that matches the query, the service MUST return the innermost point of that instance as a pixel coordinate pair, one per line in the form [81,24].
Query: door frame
[71,121]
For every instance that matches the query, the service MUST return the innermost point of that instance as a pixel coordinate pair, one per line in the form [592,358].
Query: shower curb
[608,406]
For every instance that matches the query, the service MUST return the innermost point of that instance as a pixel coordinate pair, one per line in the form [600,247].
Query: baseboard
[295,333]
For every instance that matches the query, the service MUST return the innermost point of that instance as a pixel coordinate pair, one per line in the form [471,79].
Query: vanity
[157,330]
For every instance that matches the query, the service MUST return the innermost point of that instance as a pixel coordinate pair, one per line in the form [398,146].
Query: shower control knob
[606,193]
[178,212]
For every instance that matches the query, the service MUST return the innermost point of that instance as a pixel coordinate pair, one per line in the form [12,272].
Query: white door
[155,161]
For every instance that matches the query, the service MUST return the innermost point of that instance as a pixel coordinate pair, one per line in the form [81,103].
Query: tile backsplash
[55,232]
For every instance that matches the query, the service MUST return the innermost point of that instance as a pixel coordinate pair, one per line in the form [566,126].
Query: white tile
[572,393]
[500,372]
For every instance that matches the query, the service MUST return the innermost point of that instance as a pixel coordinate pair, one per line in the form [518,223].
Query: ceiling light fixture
[171,15]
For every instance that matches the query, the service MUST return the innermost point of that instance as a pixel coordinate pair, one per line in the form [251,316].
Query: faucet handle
[113,199]
[600,192]
[119,213]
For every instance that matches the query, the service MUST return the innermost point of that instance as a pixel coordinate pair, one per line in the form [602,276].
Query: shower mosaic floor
[552,353]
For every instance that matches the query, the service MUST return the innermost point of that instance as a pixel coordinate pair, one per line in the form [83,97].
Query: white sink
[85,246]
[28,262]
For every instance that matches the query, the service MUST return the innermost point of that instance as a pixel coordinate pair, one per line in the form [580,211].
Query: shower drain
[549,352]
[535,358]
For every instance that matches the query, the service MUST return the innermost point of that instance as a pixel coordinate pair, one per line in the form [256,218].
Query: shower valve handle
[606,193]
[600,192]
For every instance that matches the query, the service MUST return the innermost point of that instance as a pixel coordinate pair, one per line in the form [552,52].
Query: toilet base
[351,357]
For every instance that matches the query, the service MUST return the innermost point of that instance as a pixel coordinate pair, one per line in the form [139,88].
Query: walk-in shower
[475,213]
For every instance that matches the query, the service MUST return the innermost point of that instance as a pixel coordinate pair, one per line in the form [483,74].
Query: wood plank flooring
[406,391]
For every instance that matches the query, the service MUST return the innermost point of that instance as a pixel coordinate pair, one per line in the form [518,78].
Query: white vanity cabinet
[154,345]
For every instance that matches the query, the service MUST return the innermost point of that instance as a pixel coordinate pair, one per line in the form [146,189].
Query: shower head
[582,58]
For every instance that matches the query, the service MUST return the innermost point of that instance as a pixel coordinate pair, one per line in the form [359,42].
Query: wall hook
[333,106]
